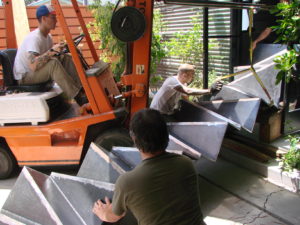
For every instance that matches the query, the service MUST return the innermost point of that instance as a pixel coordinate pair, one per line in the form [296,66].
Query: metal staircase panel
[26,202]
[241,111]
[193,112]
[83,192]
[102,165]
[204,137]
[248,85]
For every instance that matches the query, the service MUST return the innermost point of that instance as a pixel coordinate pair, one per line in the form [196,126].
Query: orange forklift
[38,128]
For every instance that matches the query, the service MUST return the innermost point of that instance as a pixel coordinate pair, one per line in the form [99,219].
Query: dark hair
[149,131]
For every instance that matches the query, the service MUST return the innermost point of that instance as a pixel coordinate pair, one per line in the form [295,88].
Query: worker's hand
[102,209]
[58,47]
[217,86]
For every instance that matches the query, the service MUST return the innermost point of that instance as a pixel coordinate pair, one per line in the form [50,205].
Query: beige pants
[61,70]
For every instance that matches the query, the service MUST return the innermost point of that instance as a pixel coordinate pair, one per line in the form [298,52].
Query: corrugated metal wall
[177,18]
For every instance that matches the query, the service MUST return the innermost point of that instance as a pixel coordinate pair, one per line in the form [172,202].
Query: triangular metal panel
[241,111]
[129,155]
[5,220]
[177,145]
[82,193]
[204,137]
[249,85]
[230,93]
[26,202]
[193,112]
[102,165]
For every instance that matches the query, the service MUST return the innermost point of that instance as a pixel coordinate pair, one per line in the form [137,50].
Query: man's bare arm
[37,61]
[266,32]
[192,91]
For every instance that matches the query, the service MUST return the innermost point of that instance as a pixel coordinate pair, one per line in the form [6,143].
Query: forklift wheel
[7,163]
[114,137]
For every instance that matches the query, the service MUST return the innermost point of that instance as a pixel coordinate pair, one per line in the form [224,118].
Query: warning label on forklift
[140,69]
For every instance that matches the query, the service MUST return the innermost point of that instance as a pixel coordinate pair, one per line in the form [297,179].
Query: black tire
[7,163]
[114,137]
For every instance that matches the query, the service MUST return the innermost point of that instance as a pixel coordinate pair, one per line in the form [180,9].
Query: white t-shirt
[35,41]
[167,97]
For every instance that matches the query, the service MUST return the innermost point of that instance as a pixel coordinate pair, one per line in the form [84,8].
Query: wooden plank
[267,149]
[87,54]
[2,12]
[245,150]
[57,34]
[2,43]
[2,33]
[67,10]
[2,24]
[70,21]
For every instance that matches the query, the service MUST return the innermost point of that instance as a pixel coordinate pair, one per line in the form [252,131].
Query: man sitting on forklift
[175,87]
[163,188]
[38,60]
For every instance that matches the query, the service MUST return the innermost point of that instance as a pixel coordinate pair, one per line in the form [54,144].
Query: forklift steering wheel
[76,41]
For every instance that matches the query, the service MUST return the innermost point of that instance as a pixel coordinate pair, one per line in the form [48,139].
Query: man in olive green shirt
[163,189]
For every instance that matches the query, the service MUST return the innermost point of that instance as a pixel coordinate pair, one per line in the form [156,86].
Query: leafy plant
[291,160]
[158,47]
[285,64]
[287,27]
[288,31]
[111,47]
[187,46]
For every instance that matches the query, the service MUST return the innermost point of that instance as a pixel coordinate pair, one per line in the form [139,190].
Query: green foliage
[113,48]
[291,160]
[158,49]
[154,79]
[188,47]
[158,46]
[285,63]
[288,31]
[288,28]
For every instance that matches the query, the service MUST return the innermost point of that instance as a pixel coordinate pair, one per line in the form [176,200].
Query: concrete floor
[229,195]
[243,197]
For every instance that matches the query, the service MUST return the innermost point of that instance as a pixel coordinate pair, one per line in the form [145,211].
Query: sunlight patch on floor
[218,221]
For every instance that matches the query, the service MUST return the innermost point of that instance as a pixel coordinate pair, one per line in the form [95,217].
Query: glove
[217,86]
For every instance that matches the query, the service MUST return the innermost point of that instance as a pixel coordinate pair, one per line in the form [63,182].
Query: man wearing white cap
[36,62]
[172,90]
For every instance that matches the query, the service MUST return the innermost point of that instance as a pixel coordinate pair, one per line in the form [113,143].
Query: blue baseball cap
[44,10]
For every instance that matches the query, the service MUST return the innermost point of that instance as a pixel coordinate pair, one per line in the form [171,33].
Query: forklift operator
[38,60]
[175,87]
[163,188]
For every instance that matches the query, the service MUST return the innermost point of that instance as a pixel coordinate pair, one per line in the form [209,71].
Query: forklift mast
[136,79]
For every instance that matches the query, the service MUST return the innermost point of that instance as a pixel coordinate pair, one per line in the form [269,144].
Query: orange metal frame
[61,142]
[138,79]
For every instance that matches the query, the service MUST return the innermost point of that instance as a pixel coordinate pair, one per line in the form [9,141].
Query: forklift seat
[7,59]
